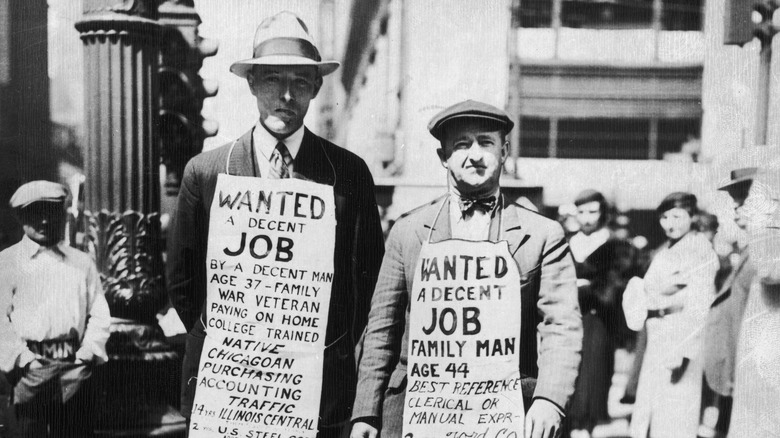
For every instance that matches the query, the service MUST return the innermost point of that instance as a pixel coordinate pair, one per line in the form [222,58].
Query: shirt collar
[583,245]
[266,143]
[455,212]
[31,249]
[456,196]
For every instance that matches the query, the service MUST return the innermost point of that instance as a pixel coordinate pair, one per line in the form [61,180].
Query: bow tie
[484,204]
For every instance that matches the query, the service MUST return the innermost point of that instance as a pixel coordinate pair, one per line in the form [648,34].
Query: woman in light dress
[675,296]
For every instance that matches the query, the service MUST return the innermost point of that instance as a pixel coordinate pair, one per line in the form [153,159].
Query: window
[673,133]
[606,14]
[622,139]
[682,15]
[605,138]
[534,13]
[610,14]
[534,137]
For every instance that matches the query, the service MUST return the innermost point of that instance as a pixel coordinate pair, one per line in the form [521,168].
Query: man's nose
[475,152]
[286,94]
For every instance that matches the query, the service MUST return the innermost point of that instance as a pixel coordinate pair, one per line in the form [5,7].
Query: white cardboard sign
[269,273]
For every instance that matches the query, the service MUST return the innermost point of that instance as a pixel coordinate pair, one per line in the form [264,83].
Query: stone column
[122,190]
[138,387]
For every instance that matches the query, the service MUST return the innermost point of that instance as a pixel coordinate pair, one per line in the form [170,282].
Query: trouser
[55,400]
[189,373]
[72,419]
[636,366]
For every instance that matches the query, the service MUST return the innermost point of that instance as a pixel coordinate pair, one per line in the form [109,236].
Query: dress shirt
[46,294]
[265,144]
[473,225]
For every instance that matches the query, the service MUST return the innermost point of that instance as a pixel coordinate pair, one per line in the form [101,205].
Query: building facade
[633,98]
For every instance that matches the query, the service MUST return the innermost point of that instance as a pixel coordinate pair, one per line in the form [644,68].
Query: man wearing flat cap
[725,318]
[284,74]
[472,286]
[55,319]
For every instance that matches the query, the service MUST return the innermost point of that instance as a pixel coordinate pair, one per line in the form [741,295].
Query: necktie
[484,204]
[280,161]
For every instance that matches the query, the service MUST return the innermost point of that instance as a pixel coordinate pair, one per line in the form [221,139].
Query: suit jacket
[723,325]
[608,268]
[549,307]
[357,256]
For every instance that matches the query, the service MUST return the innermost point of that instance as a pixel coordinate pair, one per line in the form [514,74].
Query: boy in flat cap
[469,284]
[284,75]
[55,320]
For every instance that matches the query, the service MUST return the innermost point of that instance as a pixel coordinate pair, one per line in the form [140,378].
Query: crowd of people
[682,309]
[702,331]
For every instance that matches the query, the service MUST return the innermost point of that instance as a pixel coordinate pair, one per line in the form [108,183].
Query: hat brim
[735,182]
[42,200]
[242,68]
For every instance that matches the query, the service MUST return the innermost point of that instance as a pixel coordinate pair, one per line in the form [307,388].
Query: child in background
[54,322]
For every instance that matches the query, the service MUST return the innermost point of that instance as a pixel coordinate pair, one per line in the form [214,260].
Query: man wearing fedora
[284,74]
[724,320]
[474,146]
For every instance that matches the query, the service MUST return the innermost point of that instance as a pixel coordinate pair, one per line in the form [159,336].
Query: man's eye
[302,83]
[271,78]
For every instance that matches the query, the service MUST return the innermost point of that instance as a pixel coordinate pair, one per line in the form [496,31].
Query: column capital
[135,8]
[136,17]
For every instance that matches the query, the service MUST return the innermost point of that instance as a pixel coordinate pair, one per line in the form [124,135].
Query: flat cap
[469,109]
[589,195]
[36,191]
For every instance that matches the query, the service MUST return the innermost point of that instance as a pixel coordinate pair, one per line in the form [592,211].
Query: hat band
[745,172]
[287,47]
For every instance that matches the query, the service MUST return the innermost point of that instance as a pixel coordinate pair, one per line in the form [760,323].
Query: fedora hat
[739,176]
[283,39]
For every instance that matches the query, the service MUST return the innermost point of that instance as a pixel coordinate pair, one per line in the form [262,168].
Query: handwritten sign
[269,273]
[464,350]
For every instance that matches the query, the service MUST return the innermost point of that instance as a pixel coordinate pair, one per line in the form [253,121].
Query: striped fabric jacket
[549,309]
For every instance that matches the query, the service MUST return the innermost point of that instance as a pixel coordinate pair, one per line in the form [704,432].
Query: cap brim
[436,130]
[242,68]
[35,201]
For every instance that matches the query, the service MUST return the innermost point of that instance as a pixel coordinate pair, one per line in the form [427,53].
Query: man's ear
[317,85]
[504,151]
[442,156]
[250,80]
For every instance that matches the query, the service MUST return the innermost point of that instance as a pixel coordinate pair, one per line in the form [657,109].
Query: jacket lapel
[312,162]
[725,289]
[506,218]
[511,227]
[242,160]
[439,229]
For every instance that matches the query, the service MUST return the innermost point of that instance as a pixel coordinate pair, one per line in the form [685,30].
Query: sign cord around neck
[436,218]
[230,153]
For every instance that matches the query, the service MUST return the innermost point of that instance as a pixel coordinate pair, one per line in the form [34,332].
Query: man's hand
[363,430]
[543,420]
